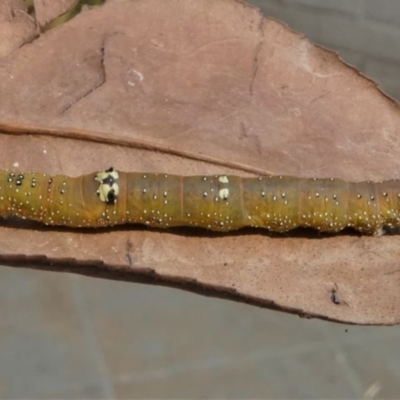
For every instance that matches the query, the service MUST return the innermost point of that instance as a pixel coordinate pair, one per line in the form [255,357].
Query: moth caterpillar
[217,202]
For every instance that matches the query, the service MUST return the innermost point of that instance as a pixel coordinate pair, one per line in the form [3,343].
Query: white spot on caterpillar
[223,179]
[223,193]
[108,189]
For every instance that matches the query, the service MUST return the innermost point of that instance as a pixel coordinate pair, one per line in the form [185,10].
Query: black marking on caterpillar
[108,189]
[215,202]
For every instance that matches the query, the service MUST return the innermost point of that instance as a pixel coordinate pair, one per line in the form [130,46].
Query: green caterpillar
[217,202]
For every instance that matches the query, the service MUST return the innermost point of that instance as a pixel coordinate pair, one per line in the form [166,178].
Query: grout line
[90,336]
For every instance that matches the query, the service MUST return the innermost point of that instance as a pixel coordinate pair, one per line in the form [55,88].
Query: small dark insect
[335,298]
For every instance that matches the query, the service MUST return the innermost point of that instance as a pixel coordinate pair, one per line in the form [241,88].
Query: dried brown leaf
[209,86]
[47,10]
[17,27]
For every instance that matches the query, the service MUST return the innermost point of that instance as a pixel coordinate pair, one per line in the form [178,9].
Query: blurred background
[68,336]
[366,33]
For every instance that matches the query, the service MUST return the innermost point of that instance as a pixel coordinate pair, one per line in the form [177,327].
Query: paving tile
[175,344]
[43,349]
[386,73]
[307,374]
[377,363]
[64,336]
[387,11]
[381,41]
[169,326]
[329,29]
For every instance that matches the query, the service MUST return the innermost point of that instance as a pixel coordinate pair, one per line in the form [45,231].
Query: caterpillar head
[108,189]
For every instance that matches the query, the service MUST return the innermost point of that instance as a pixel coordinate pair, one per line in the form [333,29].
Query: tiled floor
[66,336]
